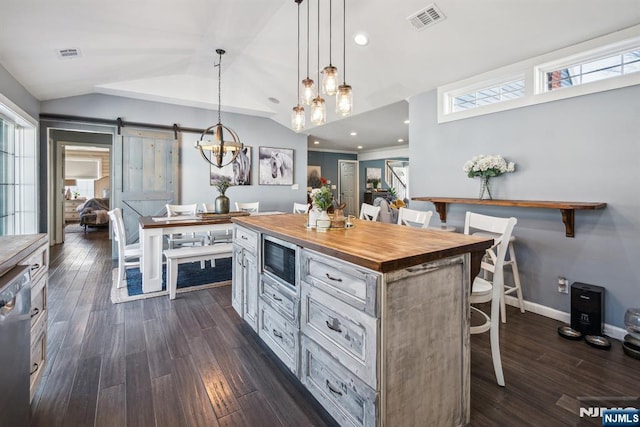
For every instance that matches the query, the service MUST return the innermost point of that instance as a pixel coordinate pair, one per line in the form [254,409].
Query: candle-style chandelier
[218,151]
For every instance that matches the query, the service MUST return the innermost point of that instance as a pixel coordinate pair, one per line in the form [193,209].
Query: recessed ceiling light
[400,140]
[274,100]
[361,39]
[316,142]
[359,147]
[406,122]
[353,133]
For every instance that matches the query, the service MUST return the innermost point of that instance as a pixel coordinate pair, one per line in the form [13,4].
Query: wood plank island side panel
[378,246]
[14,249]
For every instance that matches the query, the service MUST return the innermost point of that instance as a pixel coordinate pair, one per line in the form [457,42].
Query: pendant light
[297,115]
[318,109]
[307,84]
[330,79]
[219,152]
[344,98]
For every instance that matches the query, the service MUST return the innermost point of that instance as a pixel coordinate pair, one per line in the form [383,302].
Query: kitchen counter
[378,246]
[13,249]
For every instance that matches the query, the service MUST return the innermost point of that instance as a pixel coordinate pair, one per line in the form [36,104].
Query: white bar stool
[506,289]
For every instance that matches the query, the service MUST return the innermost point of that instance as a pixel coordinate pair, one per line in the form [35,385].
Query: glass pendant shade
[330,80]
[297,118]
[307,91]
[318,111]
[344,100]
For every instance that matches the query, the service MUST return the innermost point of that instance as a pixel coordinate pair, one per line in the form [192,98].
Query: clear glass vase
[485,188]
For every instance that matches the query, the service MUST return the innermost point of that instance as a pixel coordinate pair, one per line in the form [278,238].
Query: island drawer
[280,335]
[342,394]
[279,297]
[348,334]
[354,285]
[38,261]
[38,352]
[38,300]
[246,238]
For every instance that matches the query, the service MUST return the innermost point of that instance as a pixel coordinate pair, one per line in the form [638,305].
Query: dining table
[154,228]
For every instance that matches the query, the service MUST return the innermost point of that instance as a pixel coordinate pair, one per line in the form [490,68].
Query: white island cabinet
[380,337]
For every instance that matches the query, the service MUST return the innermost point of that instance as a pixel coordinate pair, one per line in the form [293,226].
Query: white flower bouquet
[487,166]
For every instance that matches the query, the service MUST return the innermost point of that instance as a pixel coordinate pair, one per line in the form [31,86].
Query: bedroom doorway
[80,174]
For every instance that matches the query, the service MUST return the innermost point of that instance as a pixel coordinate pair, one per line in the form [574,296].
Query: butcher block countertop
[15,248]
[375,245]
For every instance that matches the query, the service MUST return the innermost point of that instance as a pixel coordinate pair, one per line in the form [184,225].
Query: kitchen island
[375,320]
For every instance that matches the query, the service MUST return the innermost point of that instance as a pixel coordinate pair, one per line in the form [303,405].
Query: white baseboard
[609,330]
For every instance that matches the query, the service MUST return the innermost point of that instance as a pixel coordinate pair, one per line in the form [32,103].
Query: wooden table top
[375,245]
[200,219]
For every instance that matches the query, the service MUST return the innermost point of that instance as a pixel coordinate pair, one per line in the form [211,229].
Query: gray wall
[380,164]
[328,162]
[579,149]
[194,173]
[13,90]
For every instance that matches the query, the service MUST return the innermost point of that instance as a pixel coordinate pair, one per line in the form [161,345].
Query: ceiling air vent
[426,17]
[68,53]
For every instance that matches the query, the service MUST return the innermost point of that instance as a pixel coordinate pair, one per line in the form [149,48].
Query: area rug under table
[191,277]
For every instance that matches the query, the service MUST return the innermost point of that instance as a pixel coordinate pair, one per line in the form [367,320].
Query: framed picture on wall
[374,177]
[238,171]
[314,174]
[275,166]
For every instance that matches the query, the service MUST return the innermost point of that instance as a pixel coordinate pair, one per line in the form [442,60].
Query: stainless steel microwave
[279,260]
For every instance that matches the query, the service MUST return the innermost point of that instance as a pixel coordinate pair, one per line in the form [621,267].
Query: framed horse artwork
[275,166]
[238,172]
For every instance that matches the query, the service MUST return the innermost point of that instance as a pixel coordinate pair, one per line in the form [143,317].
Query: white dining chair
[128,255]
[301,208]
[414,218]
[251,207]
[218,236]
[484,290]
[176,240]
[369,212]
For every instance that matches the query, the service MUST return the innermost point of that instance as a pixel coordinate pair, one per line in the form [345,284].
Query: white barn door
[146,175]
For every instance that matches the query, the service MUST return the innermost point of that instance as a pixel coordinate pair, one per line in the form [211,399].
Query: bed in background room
[93,213]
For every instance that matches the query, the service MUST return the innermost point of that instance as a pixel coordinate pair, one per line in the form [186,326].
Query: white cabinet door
[250,267]
[237,280]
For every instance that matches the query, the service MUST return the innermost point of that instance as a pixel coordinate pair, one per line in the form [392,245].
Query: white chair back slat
[301,208]
[251,207]
[369,212]
[414,218]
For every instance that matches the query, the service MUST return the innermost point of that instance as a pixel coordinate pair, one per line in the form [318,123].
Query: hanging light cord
[344,43]
[219,86]
[318,47]
[298,1]
[308,5]
[330,32]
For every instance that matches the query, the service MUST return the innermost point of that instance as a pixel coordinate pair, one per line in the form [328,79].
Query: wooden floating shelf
[567,209]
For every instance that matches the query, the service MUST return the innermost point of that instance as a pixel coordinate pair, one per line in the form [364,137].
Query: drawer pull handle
[277,334]
[421,268]
[335,279]
[35,266]
[35,369]
[333,325]
[332,389]
[275,297]
[244,237]
[35,312]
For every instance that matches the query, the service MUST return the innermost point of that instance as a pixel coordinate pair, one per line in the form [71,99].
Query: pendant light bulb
[344,100]
[330,80]
[318,111]
[297,118]
[307,91]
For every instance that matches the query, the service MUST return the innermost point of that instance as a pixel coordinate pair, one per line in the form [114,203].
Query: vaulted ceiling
[165,50]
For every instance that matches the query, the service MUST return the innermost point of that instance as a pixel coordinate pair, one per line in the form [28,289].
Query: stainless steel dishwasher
[15,349]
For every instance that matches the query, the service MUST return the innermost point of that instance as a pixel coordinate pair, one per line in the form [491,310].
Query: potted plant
[321,199]
[222,202]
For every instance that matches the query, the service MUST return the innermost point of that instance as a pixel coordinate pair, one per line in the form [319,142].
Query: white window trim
[534,70]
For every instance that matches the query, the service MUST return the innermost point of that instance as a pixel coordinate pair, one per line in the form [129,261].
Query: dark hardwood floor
[193,362]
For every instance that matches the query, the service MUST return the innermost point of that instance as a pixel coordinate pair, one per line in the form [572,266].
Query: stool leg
[516,276]
[172,277]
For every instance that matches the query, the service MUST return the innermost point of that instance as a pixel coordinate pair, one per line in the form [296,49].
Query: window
[605,63]
[18,173]
[490,95]
[594,70]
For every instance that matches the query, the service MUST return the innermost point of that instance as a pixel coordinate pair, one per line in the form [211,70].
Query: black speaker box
[587,308]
